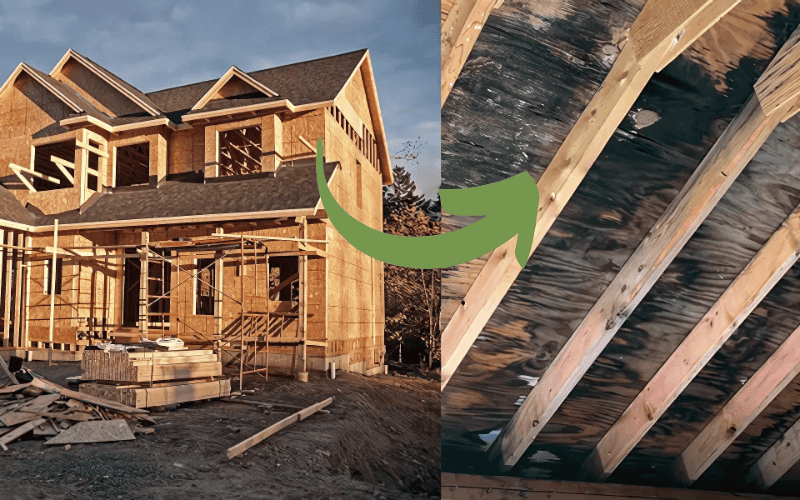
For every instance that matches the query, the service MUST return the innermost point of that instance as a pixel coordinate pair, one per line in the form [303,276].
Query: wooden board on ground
[272,429]
[96,431]
[86,398]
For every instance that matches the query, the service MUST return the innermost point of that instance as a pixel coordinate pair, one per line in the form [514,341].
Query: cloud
[31,22]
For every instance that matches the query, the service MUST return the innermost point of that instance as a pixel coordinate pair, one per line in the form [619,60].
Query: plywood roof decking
[12,210]
[294,188]
[528,79]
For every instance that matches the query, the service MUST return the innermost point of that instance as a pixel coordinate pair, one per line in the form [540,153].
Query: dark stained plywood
[523,87]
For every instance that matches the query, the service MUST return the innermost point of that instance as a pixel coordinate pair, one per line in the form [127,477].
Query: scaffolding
[256,331]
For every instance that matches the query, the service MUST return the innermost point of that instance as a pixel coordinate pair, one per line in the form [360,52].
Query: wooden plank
[91,149]
[770,379]
[8,373]
[715,174]
[760,275]
[306,143]
[13,388]
[777,460]
[74,417]
[166,355]
[272,429]
[781,80]
[566,171]
[707,17]
[174,394]
[18,170]
[96,431]
[40,403]
[469,487]
[460,29]
[21,430]
[63,165]
[48,386]
[53,276]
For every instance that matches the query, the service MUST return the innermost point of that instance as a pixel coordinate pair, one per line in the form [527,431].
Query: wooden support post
[144,284]
[715,174]
[24,341]
[760,275]
[241,323]
[303,299]
[18,302]
[5,339]
[53,276]
[652,37]
[8,305]
[759,391]
[777,460]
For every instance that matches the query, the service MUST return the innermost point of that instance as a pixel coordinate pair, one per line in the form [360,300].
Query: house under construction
[192,212]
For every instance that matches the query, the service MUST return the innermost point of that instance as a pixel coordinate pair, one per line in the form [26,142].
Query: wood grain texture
[715,174]
[780,83]
[632,70]
[734,305]
[523,88]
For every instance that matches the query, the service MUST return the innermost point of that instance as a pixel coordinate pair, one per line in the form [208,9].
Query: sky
[158,44]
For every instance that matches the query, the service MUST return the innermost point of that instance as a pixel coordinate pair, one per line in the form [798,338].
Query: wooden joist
[54,388]
[460,29]
[760,275]
[91,148]
[149,366]
[765,384]
[652,38]
[63,165]
[781,80]
[272,429]
[777,460]
[21,171]
[160,395]
[710,181]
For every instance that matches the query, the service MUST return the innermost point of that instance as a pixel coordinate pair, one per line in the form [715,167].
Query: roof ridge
[250,73]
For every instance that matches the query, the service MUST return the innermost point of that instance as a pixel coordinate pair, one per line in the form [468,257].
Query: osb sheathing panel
[51,202]
[356,95]
[310,125]
[95,90]
[156,137]
[186,151]
[27,110]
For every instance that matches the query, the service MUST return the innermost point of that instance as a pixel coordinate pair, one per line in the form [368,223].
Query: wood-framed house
[192,212]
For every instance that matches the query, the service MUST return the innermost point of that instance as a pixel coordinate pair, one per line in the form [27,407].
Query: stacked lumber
[160,394]
[47,410]
[152,366]
[147,379]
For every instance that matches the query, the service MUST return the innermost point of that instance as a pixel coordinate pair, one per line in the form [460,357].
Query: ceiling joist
[653,37]
[777,460]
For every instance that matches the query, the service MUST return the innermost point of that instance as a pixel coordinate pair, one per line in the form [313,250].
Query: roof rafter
[760,275]
[765,384]
[716,173]
[777,460]
[652,38]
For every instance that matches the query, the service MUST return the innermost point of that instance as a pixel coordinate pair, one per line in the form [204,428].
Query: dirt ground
[380,440]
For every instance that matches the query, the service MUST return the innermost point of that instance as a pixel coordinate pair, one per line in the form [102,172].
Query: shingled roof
[292,188]
[308,82]
[11,209]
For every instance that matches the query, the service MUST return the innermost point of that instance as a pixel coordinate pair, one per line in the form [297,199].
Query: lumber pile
[46,410]
[149,366]
[150,378]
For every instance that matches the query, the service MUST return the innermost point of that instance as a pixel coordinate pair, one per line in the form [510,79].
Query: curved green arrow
[509,207]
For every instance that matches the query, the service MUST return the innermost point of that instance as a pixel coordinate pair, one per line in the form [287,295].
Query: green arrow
[509,207]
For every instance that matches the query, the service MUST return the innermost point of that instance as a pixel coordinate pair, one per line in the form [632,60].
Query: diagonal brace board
[715,174]
[760,275]
[638,61]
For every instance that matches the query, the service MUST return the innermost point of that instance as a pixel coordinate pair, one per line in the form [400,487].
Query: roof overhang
[254,109]
[91,120]
[103,75]
[22,67]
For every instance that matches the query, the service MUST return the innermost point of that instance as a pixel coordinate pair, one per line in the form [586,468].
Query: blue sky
[159,44]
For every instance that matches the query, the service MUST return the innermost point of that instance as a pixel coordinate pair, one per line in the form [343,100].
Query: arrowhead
[512,205]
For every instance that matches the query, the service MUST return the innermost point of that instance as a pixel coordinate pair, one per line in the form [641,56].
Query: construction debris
[45,409]
[272,429]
